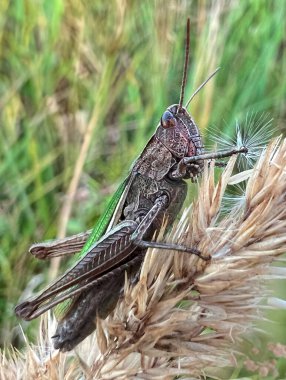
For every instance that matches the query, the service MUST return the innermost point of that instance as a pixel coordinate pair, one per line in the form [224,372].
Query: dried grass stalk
[186,315]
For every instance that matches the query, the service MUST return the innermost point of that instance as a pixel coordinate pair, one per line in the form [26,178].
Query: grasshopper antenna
[184,80]
[201,86]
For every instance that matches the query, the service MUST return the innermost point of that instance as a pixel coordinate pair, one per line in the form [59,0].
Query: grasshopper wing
[109,253]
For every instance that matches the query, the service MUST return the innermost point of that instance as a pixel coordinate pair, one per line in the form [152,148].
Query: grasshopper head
[178,133]
[179,136]
[177,130]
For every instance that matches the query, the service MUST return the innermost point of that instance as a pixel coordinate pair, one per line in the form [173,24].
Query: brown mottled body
[150,181]
[154,191]
[153,194]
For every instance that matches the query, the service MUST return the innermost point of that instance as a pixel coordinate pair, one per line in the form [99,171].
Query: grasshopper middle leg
[137,236]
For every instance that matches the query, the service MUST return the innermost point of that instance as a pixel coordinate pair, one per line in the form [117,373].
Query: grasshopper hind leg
[99,301]
[81,321]
[139,234]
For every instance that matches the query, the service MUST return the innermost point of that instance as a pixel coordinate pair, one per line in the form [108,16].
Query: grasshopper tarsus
[220,164]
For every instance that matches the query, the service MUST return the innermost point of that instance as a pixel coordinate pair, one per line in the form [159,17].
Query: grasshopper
[153,191]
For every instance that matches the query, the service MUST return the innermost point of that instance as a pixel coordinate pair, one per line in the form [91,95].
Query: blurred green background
[83,84]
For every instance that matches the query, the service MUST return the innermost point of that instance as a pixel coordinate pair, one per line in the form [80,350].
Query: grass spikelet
[254,132]
[187,316]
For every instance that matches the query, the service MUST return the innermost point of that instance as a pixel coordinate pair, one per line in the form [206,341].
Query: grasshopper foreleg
[190,167]
[137,236]
[186,170]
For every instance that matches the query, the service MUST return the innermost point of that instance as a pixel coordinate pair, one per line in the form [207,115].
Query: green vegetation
[82,87]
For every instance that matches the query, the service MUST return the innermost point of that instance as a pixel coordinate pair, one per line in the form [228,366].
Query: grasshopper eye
[168,120]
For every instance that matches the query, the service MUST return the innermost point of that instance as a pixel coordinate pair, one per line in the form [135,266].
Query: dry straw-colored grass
[185,315]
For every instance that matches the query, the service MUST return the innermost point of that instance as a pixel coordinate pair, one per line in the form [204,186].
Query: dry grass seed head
[185,314]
